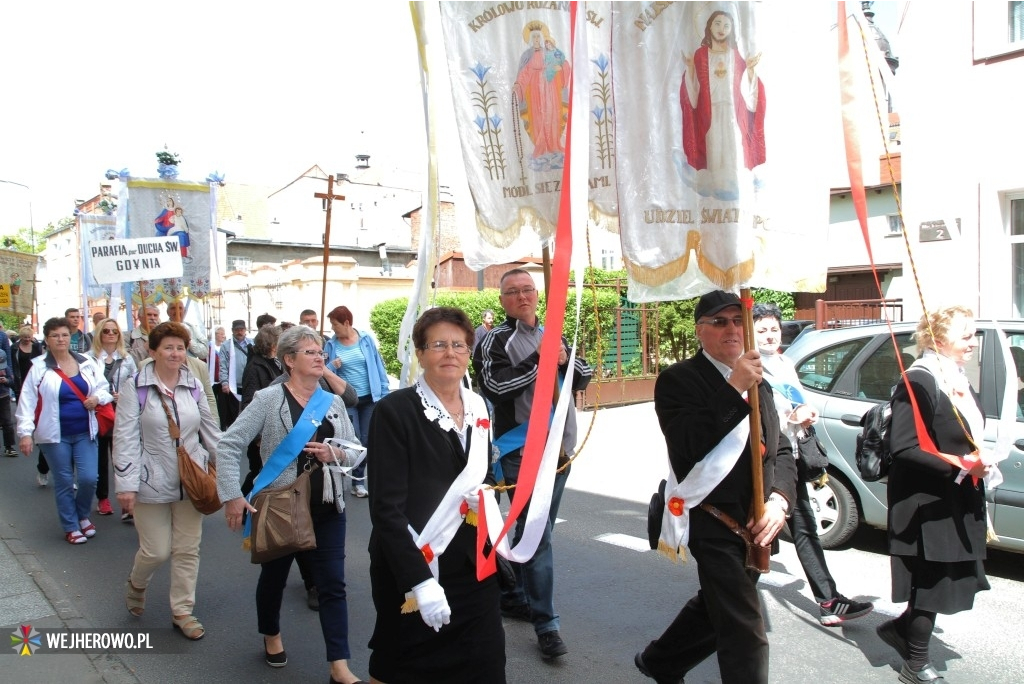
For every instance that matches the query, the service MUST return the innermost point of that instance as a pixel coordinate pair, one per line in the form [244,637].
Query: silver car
[845,370]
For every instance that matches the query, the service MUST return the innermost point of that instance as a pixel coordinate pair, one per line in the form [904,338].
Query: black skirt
[943,587]
[470,649]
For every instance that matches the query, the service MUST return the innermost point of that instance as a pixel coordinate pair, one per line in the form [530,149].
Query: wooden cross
[330,197]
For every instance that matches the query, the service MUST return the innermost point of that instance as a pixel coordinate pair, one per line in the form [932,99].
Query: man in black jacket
[506,366]
[699,402]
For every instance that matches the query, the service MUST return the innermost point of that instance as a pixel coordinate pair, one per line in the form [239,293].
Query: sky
[257,91]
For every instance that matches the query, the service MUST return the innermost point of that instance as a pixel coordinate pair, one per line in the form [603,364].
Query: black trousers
[724,617]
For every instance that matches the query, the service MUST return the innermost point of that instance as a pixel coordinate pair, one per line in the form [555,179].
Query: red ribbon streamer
[547,370]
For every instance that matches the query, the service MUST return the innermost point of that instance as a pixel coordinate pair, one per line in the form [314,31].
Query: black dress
[937,527]
[411,464]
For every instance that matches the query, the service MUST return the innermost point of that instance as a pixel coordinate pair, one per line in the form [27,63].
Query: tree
[22,242]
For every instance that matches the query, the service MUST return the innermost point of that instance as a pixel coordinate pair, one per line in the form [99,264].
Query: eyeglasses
[110,331]
[516,292]
[722,322]
[441,347]
[315,353]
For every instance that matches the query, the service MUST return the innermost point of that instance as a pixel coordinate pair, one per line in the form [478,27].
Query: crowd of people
[291,403]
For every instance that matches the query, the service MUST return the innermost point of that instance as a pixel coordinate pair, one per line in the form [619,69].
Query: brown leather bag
[758,557]
[282,523]
[199,485]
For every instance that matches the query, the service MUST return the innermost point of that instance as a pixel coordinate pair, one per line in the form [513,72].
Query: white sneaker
[42,479]
[359,491]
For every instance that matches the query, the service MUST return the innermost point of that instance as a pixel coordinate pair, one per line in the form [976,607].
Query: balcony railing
[842,313]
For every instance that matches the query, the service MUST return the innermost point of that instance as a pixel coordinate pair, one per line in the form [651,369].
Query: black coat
[260,372]
[929,514]
[696,408]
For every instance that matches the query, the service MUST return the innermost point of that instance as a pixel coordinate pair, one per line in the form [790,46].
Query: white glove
[473,499]
[434,609]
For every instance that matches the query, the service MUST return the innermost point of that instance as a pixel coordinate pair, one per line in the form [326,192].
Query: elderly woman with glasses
[111,355]
[430,452]
[275,413]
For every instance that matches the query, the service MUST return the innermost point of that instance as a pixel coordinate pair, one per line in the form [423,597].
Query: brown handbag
[282,523]
[199,485]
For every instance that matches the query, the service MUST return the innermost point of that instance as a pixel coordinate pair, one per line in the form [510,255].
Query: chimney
[362,161]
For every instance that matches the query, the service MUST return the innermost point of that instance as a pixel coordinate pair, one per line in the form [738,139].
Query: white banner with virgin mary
[510,66]
[176,210]
[719,180]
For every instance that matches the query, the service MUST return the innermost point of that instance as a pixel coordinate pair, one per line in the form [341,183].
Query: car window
[822,370]
[880,371]
[1016,340]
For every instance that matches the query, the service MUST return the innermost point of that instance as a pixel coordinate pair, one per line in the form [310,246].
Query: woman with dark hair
[64,425]
[297,411]
[260,371]
[111,355]
[937,513]
[22,353]
[354,356]
[430,448]
[146,471]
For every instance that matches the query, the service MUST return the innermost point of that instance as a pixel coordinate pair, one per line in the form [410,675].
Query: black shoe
[313,599]
[551,645]
[928,674]
[520,612]
[279,660]
[889,632]
[839,609]
[642,666]
[9,452]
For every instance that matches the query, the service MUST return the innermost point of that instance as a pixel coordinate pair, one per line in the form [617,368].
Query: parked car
[792,329]
[845,370]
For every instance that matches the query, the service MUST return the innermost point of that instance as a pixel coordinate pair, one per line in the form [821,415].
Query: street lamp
[31,227]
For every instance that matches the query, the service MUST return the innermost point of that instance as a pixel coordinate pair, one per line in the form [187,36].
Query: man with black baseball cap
[702,408]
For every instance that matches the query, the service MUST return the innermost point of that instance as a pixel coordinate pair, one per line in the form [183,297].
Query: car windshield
[823,369]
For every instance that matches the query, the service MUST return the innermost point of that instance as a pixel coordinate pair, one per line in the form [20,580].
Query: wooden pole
[330,197]
[756,469]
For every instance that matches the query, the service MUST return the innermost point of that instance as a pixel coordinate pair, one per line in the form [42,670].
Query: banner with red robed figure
[510,66]
[720,109]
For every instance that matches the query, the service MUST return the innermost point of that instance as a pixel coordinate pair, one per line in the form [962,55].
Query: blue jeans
[535,579]
[73,454]
[360,415]
[327,566]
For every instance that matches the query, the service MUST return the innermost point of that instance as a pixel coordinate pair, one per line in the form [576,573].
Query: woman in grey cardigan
[273,413]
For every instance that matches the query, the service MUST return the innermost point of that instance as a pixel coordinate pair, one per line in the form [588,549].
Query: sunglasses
[722,322]
[110,331]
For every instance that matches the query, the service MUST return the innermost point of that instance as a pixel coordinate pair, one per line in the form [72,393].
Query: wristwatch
[781,501]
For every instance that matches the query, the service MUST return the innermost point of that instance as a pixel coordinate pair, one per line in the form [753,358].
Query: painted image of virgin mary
[723,107]
[164,221]
[541,91]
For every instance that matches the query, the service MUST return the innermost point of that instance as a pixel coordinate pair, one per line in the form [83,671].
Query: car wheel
[835,511]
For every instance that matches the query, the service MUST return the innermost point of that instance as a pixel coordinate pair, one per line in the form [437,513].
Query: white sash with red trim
[705,476]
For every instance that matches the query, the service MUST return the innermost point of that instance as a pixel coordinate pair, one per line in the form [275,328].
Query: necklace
[297,395]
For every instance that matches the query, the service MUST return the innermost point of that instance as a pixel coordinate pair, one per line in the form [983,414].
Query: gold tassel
[410,606]
[471,517]
[676,555]
[246,544]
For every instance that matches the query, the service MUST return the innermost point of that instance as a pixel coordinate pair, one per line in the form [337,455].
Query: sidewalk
[30,596]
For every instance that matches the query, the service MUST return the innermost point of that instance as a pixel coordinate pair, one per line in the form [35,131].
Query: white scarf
[442,525]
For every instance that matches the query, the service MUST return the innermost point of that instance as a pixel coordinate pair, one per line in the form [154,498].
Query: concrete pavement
[31,596]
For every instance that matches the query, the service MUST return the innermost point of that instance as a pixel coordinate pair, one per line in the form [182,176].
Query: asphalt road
[614,595]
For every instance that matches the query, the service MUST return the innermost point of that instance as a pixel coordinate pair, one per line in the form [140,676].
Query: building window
[608,260]
[894,224]
[1017,254]
[243,264]
[1016,22]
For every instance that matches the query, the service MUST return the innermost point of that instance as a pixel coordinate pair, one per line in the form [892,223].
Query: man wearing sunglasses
[506,365]
[702,409]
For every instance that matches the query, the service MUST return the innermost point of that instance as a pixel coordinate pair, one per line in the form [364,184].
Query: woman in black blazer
[428,454]
[937,519]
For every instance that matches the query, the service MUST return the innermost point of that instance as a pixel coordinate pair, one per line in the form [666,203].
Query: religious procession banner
[17,282]
[719,115]
[173,210]
[510,67]
[95,229]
